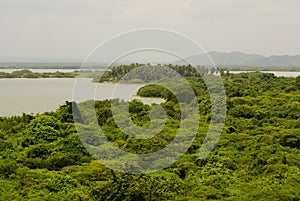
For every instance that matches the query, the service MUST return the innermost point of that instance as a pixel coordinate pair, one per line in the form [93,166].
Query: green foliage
[138,187]
[257,156]
[298,82]
[147,73]
[25,73]
[29,74]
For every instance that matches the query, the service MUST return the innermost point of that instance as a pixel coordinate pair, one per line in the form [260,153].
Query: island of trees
[25,73]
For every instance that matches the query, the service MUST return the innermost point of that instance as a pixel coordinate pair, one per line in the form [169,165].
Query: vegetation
[29,74]
[262,68]
[257,156]
[147,73]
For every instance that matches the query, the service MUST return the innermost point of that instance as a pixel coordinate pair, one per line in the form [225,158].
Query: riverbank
[50,73]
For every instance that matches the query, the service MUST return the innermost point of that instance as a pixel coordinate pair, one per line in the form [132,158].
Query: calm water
[40,95]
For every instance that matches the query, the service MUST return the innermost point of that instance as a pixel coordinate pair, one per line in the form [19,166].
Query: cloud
[71,28]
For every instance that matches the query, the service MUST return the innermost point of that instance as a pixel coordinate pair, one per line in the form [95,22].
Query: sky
[71,29]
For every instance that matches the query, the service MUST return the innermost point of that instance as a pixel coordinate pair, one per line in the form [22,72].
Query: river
[41,95]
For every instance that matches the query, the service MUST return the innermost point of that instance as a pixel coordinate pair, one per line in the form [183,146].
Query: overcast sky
[70,29]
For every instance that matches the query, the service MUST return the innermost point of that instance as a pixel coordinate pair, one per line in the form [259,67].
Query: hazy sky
[70,29]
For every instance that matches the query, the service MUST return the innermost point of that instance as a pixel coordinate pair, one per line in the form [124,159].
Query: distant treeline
[77,66]
[29,74]
[136,72]
[10,65]
[260,68]
[147,72]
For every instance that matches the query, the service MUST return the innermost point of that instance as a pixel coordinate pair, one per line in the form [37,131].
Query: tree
[298,82]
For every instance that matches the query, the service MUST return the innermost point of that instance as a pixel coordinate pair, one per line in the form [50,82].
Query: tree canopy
[256,158]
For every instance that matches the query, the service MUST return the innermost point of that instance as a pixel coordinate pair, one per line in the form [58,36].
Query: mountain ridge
[234,58]
[242,59]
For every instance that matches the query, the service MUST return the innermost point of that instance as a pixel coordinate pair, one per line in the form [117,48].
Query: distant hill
[226,59]
[243,59]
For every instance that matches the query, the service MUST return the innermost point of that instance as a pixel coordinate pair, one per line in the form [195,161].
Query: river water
[41,95]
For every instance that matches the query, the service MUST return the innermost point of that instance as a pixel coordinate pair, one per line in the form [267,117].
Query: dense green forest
[142,73]
[256,158]
[146,72]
